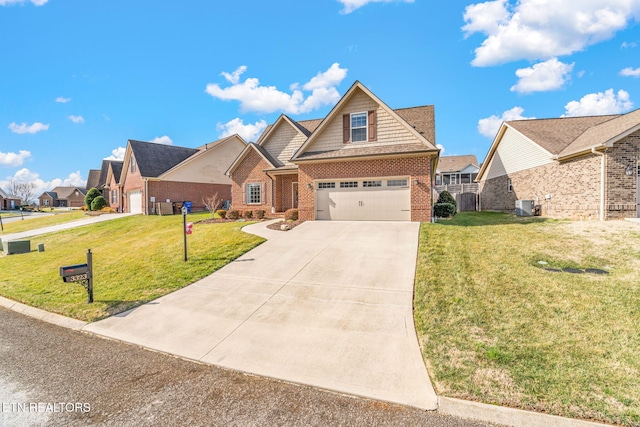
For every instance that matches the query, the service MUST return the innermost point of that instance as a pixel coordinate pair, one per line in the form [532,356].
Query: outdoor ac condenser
[524,207]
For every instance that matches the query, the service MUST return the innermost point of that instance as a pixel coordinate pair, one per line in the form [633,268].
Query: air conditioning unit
[524,207]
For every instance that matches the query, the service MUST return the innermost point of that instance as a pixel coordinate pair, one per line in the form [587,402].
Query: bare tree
[22,190]
[212,203]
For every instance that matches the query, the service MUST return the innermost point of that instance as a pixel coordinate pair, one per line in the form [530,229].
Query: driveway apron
[327,304]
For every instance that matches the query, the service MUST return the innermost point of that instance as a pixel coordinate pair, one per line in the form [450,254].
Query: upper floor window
[509,185]
[358,127]
[133,164]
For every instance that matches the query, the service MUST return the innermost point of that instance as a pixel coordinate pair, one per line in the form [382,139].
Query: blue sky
[79,78]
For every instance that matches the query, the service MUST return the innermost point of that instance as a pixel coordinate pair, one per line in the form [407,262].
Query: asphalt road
[52,376]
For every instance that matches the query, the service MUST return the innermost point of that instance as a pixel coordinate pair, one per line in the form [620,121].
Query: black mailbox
[74,273]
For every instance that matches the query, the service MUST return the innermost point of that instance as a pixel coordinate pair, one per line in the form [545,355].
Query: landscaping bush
[260,214]
[99,203]
[446,197]
[221,213]
[444,210]
[248,214]
[233,214]
[291,215]
[91,195]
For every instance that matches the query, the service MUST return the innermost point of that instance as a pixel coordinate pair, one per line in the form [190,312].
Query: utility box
[17,247]
[524,207]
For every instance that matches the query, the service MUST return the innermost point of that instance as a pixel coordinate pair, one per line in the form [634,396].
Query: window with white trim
[132,163]
[254,193]
[349,184]
[326,185]
[397,183]
[509,185]
[359,127]
[372,183]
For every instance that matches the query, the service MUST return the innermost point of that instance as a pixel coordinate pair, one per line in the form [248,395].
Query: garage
[135,201]
[364,199]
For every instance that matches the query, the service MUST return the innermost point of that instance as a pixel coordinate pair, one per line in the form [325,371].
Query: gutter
[602,183]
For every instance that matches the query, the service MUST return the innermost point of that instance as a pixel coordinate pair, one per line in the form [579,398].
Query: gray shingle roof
[422,119]
[456,163]
[154,159]
[93,180]
[116,168]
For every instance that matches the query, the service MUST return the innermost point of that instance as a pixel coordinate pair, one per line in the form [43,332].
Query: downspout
[602,183]
[146,196]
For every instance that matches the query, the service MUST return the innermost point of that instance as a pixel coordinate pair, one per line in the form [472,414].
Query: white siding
[389,130]
[516,153]
[283,141]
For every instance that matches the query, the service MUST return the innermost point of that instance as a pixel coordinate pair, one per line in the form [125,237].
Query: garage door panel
[135,202]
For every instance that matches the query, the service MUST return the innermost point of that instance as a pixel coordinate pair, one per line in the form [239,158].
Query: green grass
[44,221]
[136,259]
[496,327]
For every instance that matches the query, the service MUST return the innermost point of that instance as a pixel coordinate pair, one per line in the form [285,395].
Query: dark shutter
[346,128]
[373,125]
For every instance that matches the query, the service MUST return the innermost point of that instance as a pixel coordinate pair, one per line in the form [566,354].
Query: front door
[294,190]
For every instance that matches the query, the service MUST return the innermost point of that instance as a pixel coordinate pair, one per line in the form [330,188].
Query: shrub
[444,210]
[291,215]
[221,213]
[91,195]
[99,203]
[108,209]
[248,214]
[446,197]
[260,214]
[233,214]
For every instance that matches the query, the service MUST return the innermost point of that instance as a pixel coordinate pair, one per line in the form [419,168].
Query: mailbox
[189,228]
[74,273]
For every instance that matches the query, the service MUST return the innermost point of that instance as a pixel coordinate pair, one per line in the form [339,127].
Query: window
[46,202]
[438,180]
[133,164]
[326,185]
[372,183]
[349,184]
[509,186]
[358,127]
[253,193]
[397,183]
[114,196]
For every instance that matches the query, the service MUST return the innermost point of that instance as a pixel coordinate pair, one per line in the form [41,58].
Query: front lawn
[136,259]
[496,327]
[35,221]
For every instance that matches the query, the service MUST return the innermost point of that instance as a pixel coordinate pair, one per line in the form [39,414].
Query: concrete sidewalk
[63,226]
[327,304]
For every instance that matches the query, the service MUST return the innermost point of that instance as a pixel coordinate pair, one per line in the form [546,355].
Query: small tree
[91,195]
[446,206]
[99,203]
[212,203]
[446,197]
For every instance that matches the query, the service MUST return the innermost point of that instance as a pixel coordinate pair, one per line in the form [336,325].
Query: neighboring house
[457,173]
[158,173]
[364,161]
[7,202]
[113,185]
[63,197]
[572,167]
[93,179]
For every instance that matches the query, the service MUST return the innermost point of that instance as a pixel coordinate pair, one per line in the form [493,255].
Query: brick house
[63,197]
[113,185]
[572,167]
[364,161]
[159,173]
[7,202]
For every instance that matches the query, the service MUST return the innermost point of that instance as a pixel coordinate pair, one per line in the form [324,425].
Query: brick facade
[186,192]
[251,170]
[574,185]
[416,167]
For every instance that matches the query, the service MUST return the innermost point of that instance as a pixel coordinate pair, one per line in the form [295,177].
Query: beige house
[571,167]
[63,197]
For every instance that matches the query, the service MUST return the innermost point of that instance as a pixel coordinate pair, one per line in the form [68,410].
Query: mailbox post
[80,273]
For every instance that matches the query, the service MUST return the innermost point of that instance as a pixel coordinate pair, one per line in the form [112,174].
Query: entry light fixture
[628,170]
[308,185]
[415,181]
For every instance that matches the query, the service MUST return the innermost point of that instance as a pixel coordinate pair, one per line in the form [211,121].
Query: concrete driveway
[327,304]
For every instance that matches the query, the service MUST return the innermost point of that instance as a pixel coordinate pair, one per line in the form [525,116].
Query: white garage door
[369,199]
[135,201]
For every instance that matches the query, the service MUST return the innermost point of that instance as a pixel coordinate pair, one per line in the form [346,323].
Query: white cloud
[595,104]
[351,5]
[10,2]
[248,132]
[14,159]
[543,29]
[629,45]
[117,154]
[544,76]
[268,99]
[76,119]
[489,126]
[630,72]
[25,175]
[62,99]
[24,128]
[162,140]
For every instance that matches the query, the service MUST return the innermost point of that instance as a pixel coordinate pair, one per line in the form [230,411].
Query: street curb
[45,316]
[506,416]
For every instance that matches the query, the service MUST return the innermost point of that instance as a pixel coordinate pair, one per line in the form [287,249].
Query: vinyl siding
[283,141]
[516,153]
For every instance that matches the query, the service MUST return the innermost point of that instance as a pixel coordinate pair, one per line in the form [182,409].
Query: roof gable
[447,164]
[249,148]
[284,138]
[154,159]
[93,180]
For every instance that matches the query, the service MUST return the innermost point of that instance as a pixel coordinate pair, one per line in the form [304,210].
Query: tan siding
[516,153]
[283,142]
[389,130]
